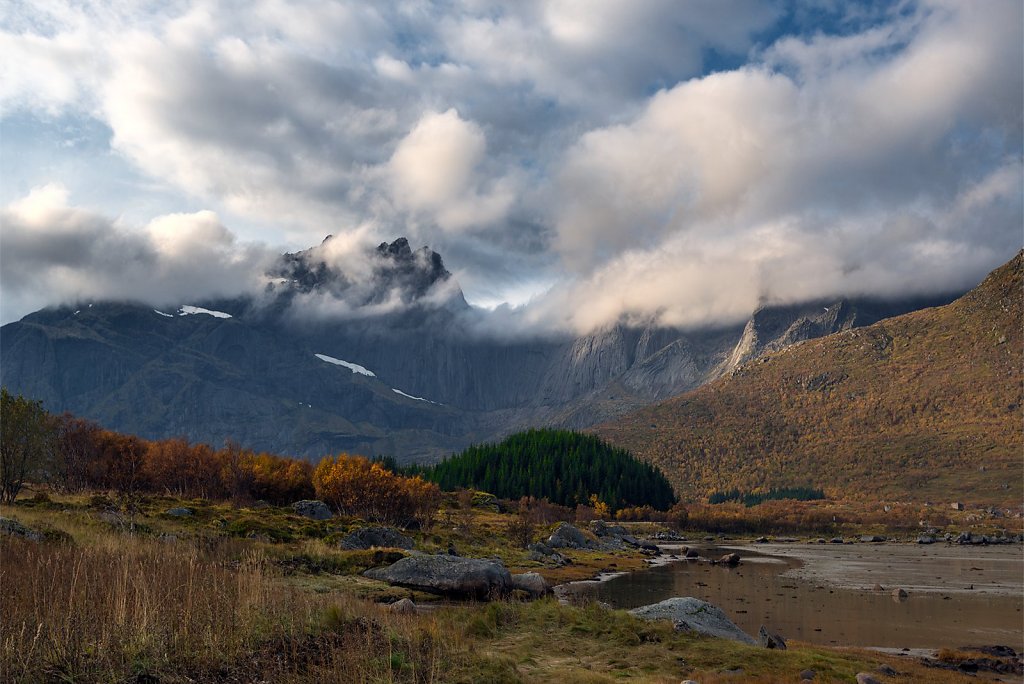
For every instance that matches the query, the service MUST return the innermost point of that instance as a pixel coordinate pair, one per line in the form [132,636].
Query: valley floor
[130,593]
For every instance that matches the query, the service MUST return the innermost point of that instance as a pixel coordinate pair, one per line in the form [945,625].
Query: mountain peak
[394,268]
[416,272]
[399,249]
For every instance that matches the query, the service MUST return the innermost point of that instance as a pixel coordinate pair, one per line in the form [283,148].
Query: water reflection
[755,593]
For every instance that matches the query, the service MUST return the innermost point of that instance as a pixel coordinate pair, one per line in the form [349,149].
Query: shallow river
[825,594]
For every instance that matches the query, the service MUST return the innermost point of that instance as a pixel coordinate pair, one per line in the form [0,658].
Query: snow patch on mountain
[354,367]
[409,396]
[189,310]
[159,312]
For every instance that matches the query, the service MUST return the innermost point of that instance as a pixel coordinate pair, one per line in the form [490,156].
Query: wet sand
[824,594]
[936,568]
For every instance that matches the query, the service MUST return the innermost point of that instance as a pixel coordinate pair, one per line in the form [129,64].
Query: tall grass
[132,606]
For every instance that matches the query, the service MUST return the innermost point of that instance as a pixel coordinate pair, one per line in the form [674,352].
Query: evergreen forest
[567,468]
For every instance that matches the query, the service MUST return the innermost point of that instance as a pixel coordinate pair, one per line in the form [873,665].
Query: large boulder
[452,576]
[693,614]
[566,536]
[377,536]
[317,510]
[532,583]
[403,607]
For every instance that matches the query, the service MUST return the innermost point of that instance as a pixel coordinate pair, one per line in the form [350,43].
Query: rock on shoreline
[693,614]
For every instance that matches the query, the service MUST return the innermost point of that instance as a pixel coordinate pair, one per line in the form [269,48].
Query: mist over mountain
[379,354]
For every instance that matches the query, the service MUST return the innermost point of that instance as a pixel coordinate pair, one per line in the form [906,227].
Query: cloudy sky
[580,161]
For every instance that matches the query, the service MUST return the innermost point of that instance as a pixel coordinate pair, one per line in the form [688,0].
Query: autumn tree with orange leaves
[353,485]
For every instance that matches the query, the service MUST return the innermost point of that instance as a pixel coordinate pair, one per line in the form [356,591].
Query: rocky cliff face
[773,328]
[274,373]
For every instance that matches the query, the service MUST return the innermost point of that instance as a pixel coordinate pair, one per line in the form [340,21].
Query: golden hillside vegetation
[924,406]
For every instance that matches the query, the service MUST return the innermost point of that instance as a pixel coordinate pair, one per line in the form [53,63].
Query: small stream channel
[771,588]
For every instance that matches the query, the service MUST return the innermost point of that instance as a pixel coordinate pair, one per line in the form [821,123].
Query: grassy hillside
[924,406]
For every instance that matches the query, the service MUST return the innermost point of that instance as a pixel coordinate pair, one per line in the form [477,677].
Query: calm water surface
[801,607]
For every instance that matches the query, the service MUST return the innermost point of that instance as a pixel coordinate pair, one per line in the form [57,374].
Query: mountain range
[385,359]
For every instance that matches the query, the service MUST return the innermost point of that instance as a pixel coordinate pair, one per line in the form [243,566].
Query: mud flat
[936,568]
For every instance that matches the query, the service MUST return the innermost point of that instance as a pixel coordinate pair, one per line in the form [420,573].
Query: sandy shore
[936,568]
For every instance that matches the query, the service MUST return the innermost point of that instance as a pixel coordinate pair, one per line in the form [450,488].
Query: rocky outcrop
[14,528]
[316,510]
[451,576]
[567,536]
[542,553]
[769,639]
[179,512]
[380,537]
[772,328]
[730,560]
[617,538]
[997,659]
[602,529]
[693,614]
[668,536]
[982,539]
